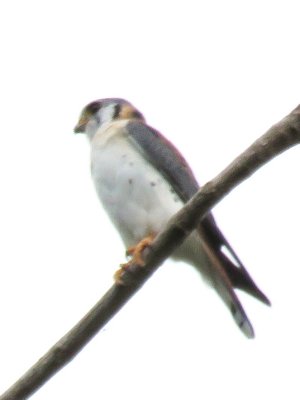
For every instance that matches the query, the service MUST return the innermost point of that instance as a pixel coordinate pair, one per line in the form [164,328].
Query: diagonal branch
[277,139]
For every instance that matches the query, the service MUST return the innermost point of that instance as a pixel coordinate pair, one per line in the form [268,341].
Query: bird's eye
[93,107]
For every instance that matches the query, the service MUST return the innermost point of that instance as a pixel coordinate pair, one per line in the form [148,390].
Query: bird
[142,180]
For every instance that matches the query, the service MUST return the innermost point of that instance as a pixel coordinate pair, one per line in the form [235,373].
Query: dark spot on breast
[130,181]
[152,183]
[131,164]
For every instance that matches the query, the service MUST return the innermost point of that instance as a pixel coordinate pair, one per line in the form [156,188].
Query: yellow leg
[136,253]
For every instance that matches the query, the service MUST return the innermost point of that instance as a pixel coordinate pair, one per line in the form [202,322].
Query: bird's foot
[136,254]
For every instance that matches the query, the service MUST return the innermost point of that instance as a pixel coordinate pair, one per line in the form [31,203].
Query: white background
[212,76]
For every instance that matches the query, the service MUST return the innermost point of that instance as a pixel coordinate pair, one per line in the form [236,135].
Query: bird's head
[99,112]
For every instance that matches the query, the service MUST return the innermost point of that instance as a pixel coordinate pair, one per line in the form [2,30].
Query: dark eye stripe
[117,110]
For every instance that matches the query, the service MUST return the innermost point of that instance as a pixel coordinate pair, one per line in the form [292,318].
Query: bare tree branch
[277,139]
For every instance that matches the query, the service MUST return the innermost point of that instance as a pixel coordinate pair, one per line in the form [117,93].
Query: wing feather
[225,274]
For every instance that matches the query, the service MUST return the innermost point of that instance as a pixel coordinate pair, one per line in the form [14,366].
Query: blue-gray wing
[163,155]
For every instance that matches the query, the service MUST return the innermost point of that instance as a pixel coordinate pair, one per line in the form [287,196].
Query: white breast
[137,198]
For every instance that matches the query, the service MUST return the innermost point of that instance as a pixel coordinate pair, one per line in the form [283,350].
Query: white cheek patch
[91,128]
[104,115]
[107,113]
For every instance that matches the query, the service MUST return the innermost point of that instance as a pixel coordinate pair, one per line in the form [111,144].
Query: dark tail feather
[222,283]
[241,279]
[235,270]
[226,275]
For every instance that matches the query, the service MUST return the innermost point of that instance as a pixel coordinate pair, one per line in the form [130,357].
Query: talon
[130,251]
[118,275]
[136,254]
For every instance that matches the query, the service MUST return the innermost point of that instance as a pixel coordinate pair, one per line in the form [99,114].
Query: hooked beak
[80,127]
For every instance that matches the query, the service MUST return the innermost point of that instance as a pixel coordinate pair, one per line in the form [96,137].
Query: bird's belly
[136,196]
